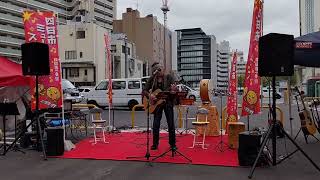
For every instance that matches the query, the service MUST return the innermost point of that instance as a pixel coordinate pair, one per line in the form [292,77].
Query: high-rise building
[223,59]
[309,16]
[147,34]
[241,64]
[309,22]
[196,56]
[101,12]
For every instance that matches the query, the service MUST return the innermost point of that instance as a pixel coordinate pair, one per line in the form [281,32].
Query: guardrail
[224,115]
[84,106]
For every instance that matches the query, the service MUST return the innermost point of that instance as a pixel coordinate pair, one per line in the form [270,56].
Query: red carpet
[127,144]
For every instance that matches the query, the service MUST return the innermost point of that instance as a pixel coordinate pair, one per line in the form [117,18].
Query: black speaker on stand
[276,52]
[35,62]
[35,59]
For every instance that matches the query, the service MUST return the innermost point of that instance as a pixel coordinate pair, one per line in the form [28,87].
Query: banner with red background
[232,103]
[42,27]
[107,41]
[251,92]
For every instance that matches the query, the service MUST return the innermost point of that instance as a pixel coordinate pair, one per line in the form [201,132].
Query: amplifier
[249,146]
[55,141]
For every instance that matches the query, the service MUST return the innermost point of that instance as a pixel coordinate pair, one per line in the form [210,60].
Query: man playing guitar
[164,82]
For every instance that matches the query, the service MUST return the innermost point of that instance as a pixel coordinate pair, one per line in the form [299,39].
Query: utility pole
[126,57]
[165,10]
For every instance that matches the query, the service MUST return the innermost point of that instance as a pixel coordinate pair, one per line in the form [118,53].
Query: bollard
[133,113]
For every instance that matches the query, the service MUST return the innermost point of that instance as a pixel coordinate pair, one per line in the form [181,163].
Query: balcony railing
[11,30]
[11,41]
[11,19]
[10,52]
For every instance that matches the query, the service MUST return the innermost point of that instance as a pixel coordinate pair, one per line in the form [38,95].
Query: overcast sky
[226,19]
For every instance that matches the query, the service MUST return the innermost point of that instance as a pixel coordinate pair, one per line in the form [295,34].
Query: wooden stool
[234,128]
[203,124]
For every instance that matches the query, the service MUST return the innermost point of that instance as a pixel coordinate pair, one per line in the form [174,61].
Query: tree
[240,80]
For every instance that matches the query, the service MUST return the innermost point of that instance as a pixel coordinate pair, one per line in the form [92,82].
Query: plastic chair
[200,124]
[98,123]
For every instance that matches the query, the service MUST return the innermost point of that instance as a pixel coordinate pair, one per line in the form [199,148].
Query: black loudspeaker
[276,52]
[55,142]
[35,59]
[249,146]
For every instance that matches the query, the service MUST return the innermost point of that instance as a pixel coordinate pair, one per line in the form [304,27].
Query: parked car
[84,92]
[265,93]
[70,92]
[125,93]
[192,94]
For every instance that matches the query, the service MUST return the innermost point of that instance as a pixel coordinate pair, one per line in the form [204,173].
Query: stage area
[128,144]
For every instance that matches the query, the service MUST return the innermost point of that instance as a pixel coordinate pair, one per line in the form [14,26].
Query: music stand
[7,109]
[164,95]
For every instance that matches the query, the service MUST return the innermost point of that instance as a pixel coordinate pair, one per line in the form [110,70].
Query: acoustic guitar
[307,124]
[153,103]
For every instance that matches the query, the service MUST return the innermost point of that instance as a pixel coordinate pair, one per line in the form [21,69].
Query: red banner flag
[232,103]
[42,27]
[107,41]
[251,93]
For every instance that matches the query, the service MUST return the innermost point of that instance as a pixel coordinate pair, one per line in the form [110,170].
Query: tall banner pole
[41,26]
[107,41]
[251,96]
[232,103]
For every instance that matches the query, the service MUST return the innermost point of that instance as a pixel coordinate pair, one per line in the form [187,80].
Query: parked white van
[125,92]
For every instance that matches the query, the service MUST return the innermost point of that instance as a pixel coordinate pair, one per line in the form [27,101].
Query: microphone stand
[147,155]
[221,144]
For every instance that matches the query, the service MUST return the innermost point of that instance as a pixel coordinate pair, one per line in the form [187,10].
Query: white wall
[92,46]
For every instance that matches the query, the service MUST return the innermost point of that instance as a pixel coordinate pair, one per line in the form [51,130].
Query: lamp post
[165,10]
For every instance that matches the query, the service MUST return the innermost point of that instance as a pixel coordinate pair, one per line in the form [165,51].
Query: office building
[101,12]
[241,64]
[223,59]
[148,36]
[196,56]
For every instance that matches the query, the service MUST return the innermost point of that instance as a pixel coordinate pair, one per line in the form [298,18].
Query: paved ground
[30,166]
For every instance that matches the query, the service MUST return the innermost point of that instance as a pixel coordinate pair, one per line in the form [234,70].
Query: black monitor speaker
[35,59]
[55,141]
[249,145]
[276,52]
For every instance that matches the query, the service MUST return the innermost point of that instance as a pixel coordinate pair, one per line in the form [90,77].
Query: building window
[70,55]
[113,48]
[85,72]
[81,34]
[124,50]
[74,72]
[81,54]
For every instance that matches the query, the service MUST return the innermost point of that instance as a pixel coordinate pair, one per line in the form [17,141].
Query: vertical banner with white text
[251,92]
[42,27]
[232,103]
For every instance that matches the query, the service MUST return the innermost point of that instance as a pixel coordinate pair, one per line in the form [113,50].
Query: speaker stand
[36,120]
[273,129]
